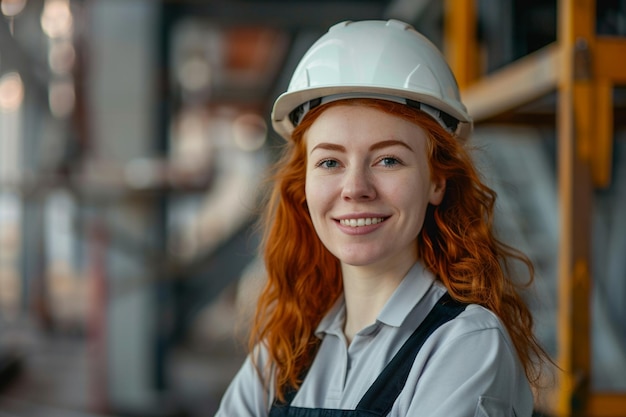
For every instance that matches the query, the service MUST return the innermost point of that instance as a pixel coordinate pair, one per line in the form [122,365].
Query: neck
[367,289]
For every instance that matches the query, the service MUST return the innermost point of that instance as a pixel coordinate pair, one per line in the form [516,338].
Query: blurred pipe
[11,143]
[14,58]
[11,8]
[98,237]
[407,10]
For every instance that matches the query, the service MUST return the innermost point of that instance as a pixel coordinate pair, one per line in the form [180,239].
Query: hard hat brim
[289,101]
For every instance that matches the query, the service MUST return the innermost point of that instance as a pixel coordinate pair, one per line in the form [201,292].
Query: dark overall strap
[380,397]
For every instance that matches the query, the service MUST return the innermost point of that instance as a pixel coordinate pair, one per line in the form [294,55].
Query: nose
[358,185]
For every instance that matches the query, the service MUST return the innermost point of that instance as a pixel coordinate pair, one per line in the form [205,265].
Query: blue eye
[328,164]
[389,161]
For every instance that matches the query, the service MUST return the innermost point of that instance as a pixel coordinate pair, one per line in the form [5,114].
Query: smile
[361,222]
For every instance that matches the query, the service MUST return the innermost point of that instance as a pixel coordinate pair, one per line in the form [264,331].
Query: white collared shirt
[468,367]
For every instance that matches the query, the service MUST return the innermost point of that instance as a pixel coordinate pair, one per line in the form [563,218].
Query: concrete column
[122,63]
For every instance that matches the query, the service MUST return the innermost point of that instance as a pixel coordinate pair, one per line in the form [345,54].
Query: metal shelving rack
[582,68]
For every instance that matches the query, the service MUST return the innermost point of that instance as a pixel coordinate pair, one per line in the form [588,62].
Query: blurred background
[134,141]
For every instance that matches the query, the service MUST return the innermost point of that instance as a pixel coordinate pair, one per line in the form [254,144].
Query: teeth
[361,222]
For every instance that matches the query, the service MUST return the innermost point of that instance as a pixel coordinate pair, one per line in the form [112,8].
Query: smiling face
[368,185]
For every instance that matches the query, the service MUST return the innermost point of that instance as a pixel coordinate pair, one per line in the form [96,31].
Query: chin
[359,259]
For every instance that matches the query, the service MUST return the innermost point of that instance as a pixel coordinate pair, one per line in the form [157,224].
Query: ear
[437,191]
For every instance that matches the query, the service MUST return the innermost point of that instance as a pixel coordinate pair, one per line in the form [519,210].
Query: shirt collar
[403,300]
[333,320]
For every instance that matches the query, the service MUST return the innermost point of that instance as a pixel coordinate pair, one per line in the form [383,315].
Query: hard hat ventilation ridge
[450,123]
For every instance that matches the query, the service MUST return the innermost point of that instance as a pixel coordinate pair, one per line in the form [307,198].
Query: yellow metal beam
[609,59]
[575,115]
[461,47]
[602,149]
[609,70]
[606,405]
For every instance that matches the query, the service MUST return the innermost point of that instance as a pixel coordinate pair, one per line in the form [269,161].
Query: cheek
[308,193]
[413,195]
[315,205]
[312,194]
[409,189]
[319,197]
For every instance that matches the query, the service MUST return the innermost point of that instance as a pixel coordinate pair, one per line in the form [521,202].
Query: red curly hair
[457,243]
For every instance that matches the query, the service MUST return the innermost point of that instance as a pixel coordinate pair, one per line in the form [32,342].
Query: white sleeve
[246,396]
[474,373]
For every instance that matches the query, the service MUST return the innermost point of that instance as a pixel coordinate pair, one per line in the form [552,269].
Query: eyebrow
[378,145]
[329,147]
[389,143]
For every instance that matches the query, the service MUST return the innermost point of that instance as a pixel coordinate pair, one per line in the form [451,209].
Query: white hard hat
[373,59]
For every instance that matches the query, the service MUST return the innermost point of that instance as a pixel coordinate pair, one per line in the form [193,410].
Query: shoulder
[250,391]
[476,331]
[476,318]
[477,338]
[474,321]
[469,358]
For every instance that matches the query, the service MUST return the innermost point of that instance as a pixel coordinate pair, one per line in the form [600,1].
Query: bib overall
[381,395]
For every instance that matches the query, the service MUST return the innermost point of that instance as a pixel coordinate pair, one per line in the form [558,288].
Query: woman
[387,292]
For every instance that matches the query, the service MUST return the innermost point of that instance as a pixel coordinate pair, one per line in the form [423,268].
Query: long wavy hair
[457,243]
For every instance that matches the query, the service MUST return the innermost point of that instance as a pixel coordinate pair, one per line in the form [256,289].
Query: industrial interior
[134,143]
